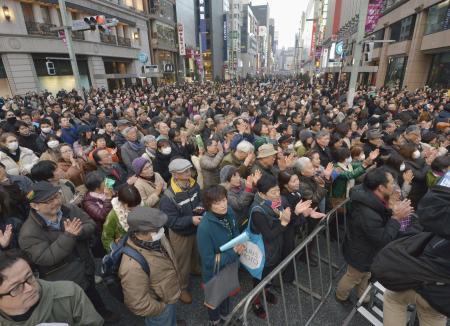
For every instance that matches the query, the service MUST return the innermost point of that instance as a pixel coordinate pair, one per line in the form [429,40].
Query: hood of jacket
[361,196]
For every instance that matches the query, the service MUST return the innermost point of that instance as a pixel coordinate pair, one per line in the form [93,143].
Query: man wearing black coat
[372,225]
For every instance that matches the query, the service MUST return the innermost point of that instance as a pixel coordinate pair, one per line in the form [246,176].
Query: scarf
[225,223]
[351,182]
[136,146]
[121,212]
[148,245]
[14,156]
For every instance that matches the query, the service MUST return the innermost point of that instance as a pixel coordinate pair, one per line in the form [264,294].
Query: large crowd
[170,174]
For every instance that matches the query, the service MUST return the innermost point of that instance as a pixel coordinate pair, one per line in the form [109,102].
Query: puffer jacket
[371,227]
[210,168]
[27,160]
[96,208]
[264,220]
[56,300]
[147,190]
[57,254]
[148,296]
[178,205]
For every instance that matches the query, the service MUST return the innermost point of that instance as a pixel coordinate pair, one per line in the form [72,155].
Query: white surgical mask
[402,167]
[166,150]
[46,130]
[362,157]
[52,144]
[416,154]
[13,146]
[348,160]
[158,235]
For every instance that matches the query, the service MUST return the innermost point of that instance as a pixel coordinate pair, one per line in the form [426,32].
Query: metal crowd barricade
[301,301]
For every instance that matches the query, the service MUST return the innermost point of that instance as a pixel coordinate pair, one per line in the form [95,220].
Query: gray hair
[147,139]
[127,130]
[415,129]
[300,164]
[322,133]
[245,146]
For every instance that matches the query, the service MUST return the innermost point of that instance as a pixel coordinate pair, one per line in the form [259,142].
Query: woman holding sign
[218,226]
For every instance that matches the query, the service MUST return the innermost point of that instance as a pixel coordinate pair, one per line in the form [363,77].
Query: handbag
[224,283]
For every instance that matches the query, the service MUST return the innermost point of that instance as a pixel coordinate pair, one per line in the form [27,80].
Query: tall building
[163,42]
[232,39]
[185,18]
[210,18]
[249,41]
[28,41]
[262,15]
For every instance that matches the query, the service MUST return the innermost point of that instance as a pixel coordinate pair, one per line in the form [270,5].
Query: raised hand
[249,182]
[73,227]
[374,154]
[328,171]
[239,249]
[5,237]
[256,176]
[302,207]
[408,176]
[316,215]
[285,216]
[402,209]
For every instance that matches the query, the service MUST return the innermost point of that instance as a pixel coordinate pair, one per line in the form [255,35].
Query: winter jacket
[161,165]
[265,221]
[75,174]
[210,168]
[57,254]
[324,154]
[96,208]
[339,188]
[418,185]
[116,172]
[60,302]
[147,190]
[128,154]
[240,200]
[50,155]
[211,234]
[311,190]
[371,227]
[270,171]
[26,161]
[178,204]
[114,227]
[148,296]
[230,159]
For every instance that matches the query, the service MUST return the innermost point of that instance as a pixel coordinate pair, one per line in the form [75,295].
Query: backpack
[111,263]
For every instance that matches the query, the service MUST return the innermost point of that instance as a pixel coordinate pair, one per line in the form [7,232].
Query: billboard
[181,46]
[225,38]
[373,14]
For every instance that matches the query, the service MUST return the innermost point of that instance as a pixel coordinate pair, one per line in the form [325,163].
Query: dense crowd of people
[175,172]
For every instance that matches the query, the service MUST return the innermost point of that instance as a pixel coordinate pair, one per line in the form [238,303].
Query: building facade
[262,14]
[28,41]
[249,42]
[185,17]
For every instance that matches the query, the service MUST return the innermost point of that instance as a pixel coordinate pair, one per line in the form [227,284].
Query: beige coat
[148,296]
[147,190]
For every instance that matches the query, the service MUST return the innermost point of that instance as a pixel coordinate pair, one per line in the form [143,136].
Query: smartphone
[109,183]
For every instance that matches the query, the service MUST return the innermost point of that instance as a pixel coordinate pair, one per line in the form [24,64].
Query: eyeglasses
[18,289]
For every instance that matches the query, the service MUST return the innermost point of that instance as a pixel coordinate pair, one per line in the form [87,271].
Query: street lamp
[6,13]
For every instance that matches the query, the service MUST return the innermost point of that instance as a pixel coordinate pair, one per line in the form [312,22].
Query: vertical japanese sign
[181,46]
[313,39]
[373,14]
[225,38]
[202,22]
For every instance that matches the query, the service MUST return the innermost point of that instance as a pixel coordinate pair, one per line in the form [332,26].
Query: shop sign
[181,46]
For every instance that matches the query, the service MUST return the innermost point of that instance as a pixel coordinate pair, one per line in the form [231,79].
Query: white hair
[301,163]
[245,146]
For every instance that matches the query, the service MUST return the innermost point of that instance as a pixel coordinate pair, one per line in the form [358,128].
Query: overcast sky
[287,15]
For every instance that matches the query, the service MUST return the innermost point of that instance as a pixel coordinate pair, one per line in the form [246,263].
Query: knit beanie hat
[226,173]
[138,164]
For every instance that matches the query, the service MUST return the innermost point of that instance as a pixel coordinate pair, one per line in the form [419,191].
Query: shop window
[404,29]
[378,35]
[27,12]
[439,72]
[438,17]
[395,71]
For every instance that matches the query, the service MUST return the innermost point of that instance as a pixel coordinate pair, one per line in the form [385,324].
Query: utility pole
[357,51]
[68,36]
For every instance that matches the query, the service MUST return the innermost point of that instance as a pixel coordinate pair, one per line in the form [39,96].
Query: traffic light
[94,21]
[368,51]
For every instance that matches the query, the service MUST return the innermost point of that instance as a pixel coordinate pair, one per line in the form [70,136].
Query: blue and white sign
[340,48]
[143,57]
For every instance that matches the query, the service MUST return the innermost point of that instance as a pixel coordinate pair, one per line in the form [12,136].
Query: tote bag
[253,257]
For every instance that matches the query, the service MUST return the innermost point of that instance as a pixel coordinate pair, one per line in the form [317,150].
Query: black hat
[41,192]
[285,139]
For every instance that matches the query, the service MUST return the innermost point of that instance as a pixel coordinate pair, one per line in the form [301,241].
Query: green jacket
[112,230]
[60,302]
[431,179]
[339,187]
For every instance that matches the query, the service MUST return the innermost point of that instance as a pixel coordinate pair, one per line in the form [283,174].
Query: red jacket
[97,209]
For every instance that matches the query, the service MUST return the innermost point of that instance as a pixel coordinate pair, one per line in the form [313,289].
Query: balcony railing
[44,29]
[124,41]
[108,38]
[78,35]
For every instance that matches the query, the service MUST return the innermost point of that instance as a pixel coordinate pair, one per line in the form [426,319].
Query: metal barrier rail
[316,294]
